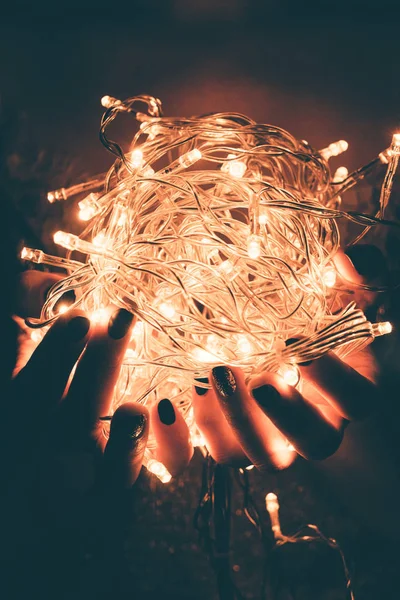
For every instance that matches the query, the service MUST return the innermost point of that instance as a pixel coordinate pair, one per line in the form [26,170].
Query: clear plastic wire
[219,234]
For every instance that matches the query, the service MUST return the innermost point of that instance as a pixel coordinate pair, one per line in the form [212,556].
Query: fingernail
[128,427]
[77,328]
[119,323]
[368,260]
[265,395]
[166,412]
[291,341]
[200,390]
[224,381]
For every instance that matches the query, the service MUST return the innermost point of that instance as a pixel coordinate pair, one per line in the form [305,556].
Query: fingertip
[174,446]
[125,448]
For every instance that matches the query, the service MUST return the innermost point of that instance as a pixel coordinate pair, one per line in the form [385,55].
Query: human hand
[63,466]
[266,421]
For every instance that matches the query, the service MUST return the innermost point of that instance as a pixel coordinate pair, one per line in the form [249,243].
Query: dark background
[322,70]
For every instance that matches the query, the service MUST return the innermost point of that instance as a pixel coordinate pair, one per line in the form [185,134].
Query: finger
[260,439]
[369,261]
[41,383]
[123,454]
[32,290]
[346,268]
[301,422]
[174,448]
[90,393]
[349,393]
[221,442]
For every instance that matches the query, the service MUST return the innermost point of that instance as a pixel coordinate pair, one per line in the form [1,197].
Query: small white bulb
[236,168]
[136,158]
[158,469]
[329,277]
[244,345]
[340,175]
[290,375]
[167,310]
[254,246]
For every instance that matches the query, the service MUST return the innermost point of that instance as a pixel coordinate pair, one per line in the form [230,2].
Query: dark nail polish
[77,328]
[265,395]
[166,412]
[291,341]
[200,390]
[225,381]
[119,323]
[128,427]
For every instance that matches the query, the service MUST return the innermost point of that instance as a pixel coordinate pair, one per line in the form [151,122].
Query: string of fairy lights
[220,235]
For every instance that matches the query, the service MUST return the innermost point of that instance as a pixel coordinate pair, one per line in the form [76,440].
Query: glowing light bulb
[254,246]
[109,101]
[271,502]
[197,439]
[158,469]
[57,195]
[334,149]
[395,147]
[87,213]
[37,336]
[263,218]
[383,328]
[100,316]
[131,354]
[329,277]
[250,468]
[244,345]
[62,308]
[136,158]
[236,168]
[290,374]
[100,240]
[67,240]
[137,330]
[340,175]
[201,355]
[190,158]
[167,310]
[35,256]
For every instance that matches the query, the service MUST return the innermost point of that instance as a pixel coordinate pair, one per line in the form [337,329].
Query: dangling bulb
[158,469]
[340,175]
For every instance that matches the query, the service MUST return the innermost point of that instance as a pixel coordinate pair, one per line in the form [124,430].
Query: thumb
[123,454]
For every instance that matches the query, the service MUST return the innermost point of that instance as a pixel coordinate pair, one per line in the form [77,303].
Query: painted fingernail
[77,328]
[201,391]
[119,323]
[291,341]
[224,381]
[368,260]
[128,427]
[166,412]
[265,395]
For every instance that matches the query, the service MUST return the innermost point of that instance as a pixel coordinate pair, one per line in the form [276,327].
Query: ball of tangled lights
[220,235]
